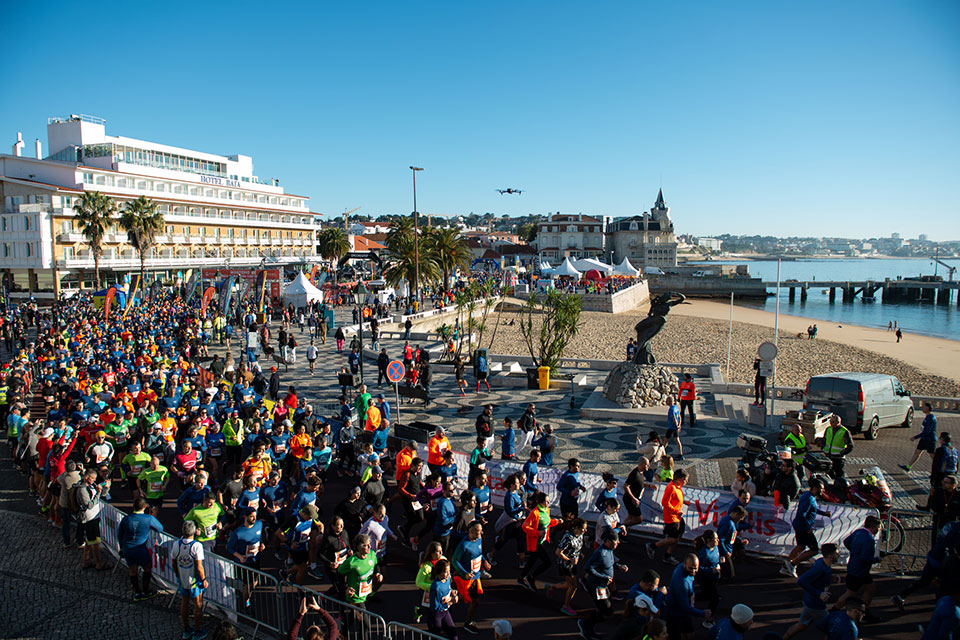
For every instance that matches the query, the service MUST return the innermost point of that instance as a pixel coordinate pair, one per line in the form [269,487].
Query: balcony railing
[71,236]
[133,263]
[196,239]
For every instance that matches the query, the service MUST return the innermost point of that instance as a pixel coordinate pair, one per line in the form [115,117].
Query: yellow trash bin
[544,375]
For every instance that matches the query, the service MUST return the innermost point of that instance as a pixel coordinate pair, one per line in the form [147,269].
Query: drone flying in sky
[509,191]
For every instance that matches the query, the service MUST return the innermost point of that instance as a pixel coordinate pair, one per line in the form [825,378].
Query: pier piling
[803,294]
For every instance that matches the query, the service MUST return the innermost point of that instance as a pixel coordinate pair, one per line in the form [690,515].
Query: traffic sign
[767,351]
[395,371]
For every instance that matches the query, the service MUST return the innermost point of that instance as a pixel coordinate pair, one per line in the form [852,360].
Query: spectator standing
[926,439]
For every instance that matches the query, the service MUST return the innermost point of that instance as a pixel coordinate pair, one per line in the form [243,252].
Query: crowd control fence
[399,631]
[905,541]
[240,592]
[355,623]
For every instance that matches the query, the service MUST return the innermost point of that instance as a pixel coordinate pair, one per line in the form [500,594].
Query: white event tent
[566,269]
[585,264]
[300,292]
[625,269]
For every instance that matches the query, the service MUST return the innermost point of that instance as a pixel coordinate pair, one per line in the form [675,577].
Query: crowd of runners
[133,406]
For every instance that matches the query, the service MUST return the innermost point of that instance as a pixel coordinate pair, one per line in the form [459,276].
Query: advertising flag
[191,287]
[226,292]
[207,297]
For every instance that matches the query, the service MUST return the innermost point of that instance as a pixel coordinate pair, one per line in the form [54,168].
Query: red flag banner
[207,297]
[313,272]
[108,302]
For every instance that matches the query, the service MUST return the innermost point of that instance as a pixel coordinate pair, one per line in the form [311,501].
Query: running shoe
[651,551]
[898,601]
[568,610]
[708,625]
[671,560]
[200,634]
[532,584]
[187,634]
[523,583]
[150,593]
[469,627]
[583,631]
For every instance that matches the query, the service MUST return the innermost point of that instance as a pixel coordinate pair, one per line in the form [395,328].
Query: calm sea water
[928,319]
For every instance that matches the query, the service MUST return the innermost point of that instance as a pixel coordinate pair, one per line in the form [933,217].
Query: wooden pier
[930,290]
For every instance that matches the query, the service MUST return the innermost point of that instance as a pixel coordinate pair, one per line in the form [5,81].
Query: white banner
[768,528]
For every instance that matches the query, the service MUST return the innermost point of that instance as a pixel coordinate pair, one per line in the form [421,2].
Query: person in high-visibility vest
[688,393]
[798,447]
[837,443]
[373,416]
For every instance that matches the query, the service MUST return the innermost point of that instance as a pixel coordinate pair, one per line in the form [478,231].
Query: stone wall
[629,299]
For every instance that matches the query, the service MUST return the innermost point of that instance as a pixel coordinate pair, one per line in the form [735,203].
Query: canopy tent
[567,269]
[625,269]
[585,264]
[300,292]
[545,266]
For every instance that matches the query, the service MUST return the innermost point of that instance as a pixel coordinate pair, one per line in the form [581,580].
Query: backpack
[948,463]
[72,501]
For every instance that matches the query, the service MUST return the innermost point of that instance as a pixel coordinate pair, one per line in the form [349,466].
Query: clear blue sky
[820,118]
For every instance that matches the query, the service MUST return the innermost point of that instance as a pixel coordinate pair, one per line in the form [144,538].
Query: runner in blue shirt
[467,563]
[842,625]
[569,488]
[815,583]
[508,440]
[446,515]
[806,541]
[245,543]
[945,622]
[132,535]
[530,471]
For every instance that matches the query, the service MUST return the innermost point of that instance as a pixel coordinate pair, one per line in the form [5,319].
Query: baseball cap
[100,433]
[287,423]
[643,601]
[46,433]
[310,511]
[502,628]
[741,614]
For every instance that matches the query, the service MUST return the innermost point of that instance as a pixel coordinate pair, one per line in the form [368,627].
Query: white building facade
[569,236]
[647,240]
[216,211]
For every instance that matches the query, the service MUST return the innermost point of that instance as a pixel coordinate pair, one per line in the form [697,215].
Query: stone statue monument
[642,382]
[651,325]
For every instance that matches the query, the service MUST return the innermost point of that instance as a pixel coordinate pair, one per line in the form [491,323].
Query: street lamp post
[416,239]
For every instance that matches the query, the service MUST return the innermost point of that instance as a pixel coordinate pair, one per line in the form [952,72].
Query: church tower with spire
[646,240]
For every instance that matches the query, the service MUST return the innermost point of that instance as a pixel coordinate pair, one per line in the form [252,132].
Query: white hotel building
[216,211]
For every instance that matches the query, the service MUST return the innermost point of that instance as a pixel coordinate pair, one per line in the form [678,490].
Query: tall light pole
[416,239]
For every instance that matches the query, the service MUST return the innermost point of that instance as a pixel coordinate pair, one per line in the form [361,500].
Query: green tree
[402,263]
[527,232]
[95,212]
[450,250]
[143,222]
[334,244]
[401,231]
[559,316]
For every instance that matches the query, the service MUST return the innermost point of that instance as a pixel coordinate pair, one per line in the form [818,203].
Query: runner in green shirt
[360,570]
[118,431]
[207,518]
[133,464]
[153,482]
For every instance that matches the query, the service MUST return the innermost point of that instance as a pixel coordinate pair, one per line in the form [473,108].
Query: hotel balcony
[287,242]
[196,239]
[178,239]
[71,236]
[226,241]
[133,263]
[162,239]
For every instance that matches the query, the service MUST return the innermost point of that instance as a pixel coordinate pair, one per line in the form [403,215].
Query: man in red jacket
[688,393]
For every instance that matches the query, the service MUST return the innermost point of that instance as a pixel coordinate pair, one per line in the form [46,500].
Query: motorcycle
[761,463]
[870,490]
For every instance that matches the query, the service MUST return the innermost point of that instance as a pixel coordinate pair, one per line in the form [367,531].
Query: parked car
[865,402]
[700,274]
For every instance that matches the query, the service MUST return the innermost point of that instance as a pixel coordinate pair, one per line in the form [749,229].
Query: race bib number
[253,504]
[365,589]
[415,505]
[100,458]
[602,593]
[475,565]
[216,452]
[211,531]
[253,549]
[281,448]
[484,507]
[135,469]
[425,601]
[339,557]
[156,487]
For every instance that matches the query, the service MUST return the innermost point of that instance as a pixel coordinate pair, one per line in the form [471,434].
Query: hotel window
[87,177]
[101,180]
[178,188]
[243,233]
[208,193]
[6,249]
[223,195]
[3,223]
[194,191]
[161,187]
[185,231]
[26,223]
[29,249]
[68,253]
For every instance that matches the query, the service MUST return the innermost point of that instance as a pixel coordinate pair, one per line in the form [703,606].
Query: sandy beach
[696,331]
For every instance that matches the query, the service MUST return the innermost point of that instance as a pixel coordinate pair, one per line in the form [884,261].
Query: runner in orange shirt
[674,526]
[257,465]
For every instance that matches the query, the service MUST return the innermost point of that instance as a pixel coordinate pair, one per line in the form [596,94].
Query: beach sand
[696,332]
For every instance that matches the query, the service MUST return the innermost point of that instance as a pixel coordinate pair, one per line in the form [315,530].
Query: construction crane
[346,215]
[950,269]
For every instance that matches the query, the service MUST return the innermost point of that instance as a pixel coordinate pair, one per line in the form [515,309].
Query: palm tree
[334,244]
[142,221]
[403,264]
[95,212]
[450,250]
[401,230]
